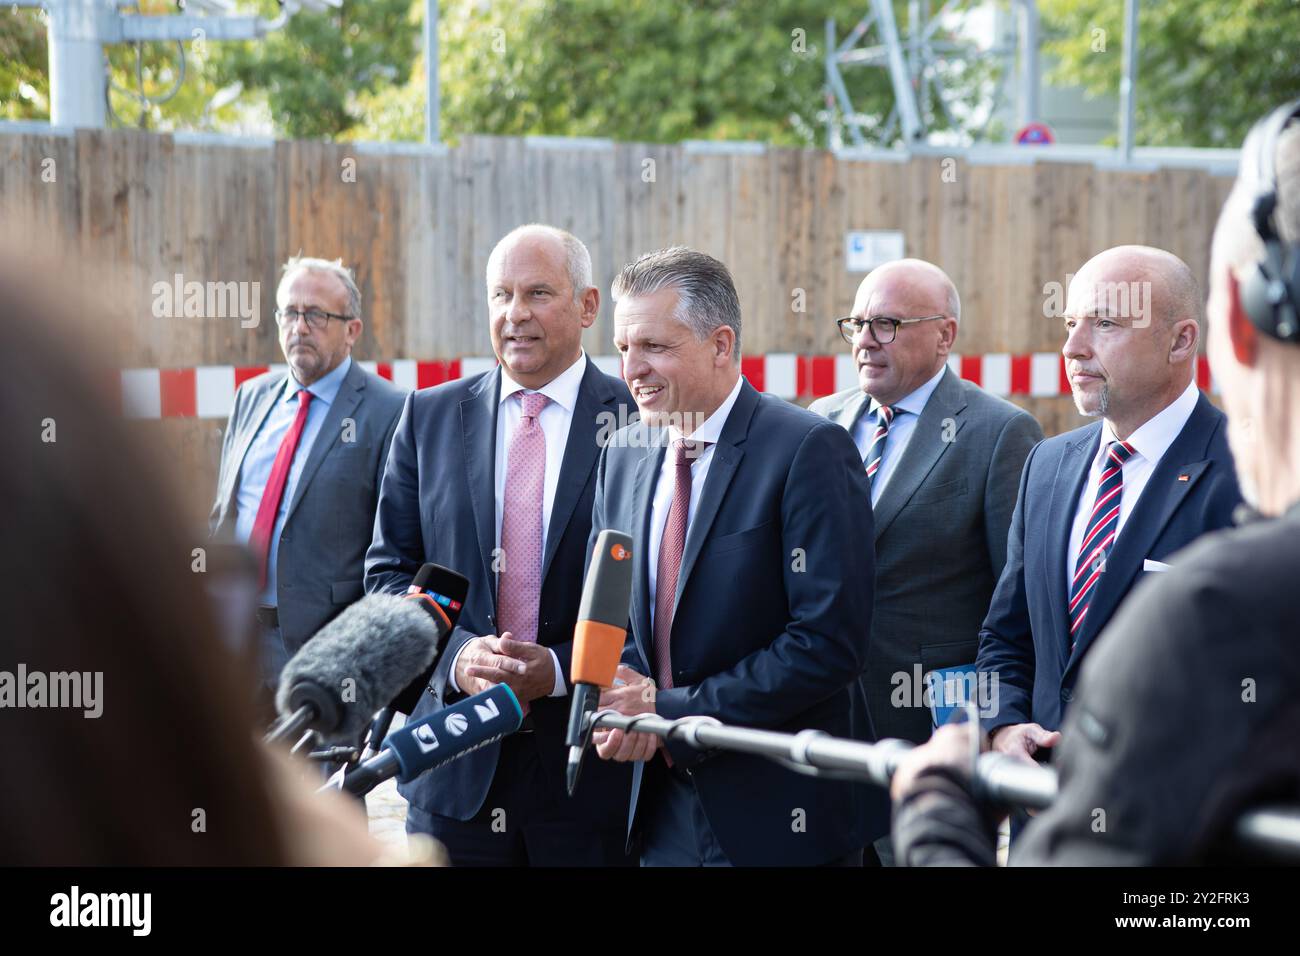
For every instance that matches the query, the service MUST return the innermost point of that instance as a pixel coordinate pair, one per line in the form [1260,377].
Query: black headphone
[1271,292]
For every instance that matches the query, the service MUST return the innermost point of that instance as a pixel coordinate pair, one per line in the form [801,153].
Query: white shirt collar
[562,390]
[915,400]
[711,430]
[1152,439]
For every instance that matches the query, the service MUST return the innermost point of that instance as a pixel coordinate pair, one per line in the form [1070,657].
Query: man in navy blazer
[494,476]
[1103,505]
[752,589]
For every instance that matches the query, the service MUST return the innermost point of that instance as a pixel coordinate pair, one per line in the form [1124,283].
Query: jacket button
[1067,695]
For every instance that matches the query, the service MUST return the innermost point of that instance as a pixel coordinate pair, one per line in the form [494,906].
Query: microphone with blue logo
[439,738]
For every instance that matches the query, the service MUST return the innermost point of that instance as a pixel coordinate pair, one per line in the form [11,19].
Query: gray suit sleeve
[1018,437]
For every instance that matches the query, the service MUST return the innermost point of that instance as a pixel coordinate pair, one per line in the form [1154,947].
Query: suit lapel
[478,422]
[854,408]
[252,425]
[580,454]
[647,469]
[344,404]
[1071,474]
[929,440]
[1151,513]
[727,455]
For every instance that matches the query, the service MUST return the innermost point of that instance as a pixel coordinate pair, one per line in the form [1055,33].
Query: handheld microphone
[356,664]
[598,638]
[439,738]
[442,593]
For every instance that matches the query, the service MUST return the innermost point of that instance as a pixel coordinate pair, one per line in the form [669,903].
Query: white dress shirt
[666,483]
[907,411]
[1150,442]
[554,421]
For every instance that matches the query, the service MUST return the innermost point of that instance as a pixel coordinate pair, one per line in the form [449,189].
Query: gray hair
[706,295]
[1235,241]
[334,267]
[577,259]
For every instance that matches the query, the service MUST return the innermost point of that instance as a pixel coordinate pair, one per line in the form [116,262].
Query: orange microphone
[598,638]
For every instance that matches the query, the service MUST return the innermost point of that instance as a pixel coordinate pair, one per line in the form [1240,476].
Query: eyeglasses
[883,328]
[317,319]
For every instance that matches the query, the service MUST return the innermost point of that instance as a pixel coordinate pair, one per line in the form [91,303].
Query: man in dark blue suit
[752,588]
[494,477]
[1103,505]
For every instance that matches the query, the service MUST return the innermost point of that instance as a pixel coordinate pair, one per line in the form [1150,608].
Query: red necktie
[671,548]
[269,509]
[670,557]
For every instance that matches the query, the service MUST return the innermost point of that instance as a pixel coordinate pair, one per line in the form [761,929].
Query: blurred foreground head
[1258,374]
[150,759]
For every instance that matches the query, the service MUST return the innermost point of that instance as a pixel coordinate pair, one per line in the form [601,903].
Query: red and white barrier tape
[208,391]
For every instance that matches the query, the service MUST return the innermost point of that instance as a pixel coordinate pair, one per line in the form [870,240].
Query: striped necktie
[1103,525]
[884,415]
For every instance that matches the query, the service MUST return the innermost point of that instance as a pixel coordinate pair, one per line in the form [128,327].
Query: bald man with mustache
[1105,505]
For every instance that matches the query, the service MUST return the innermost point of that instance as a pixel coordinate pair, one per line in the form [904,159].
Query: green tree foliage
[643,70]
[308,74]
[649,70]
[1206,69]
[24,84]
[316,69]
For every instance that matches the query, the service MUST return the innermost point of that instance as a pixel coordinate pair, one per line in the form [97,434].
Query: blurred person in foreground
[133,743]
[1186,714]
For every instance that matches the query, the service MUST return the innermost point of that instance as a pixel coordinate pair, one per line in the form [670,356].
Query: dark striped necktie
[1103,525]
[884,415]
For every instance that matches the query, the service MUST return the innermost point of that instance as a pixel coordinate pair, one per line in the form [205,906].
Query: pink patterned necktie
[519,590]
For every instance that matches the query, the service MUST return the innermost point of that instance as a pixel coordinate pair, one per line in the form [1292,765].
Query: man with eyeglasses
[943,459]
[301,461]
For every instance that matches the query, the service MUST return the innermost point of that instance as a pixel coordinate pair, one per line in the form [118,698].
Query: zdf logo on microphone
[456,724]
[619,553]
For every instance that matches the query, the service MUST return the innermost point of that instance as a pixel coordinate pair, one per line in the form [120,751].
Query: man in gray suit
[302,458]
[943,458]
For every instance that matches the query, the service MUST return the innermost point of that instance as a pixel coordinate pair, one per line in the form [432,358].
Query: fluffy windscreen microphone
[354,666]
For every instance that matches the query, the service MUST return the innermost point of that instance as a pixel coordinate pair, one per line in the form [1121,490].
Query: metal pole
[1274,830]
[432,118]
[904,93]
[1128,83]
[78,84]
[1028,62]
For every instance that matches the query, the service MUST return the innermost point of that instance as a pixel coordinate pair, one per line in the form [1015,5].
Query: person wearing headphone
[1186,712]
